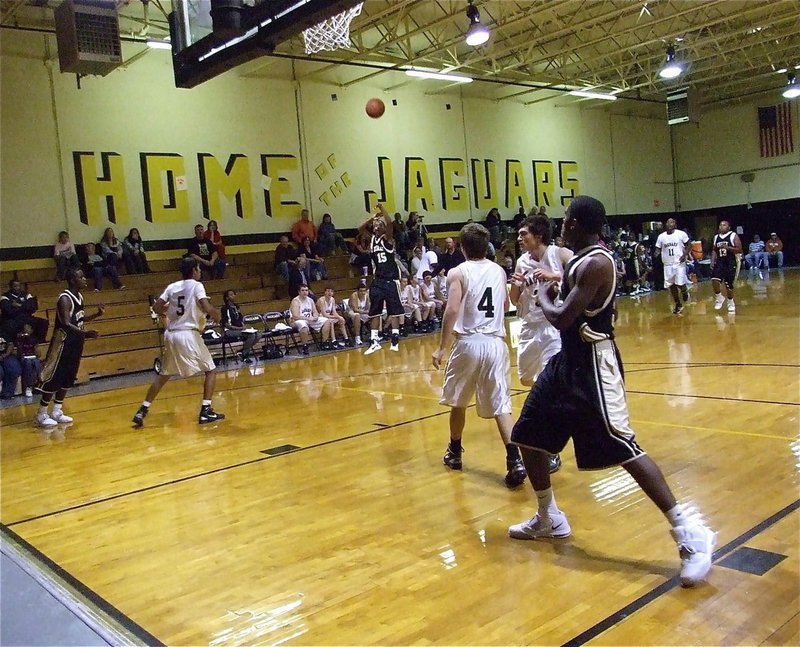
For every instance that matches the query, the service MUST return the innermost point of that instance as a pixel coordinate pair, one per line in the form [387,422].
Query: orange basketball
[375,108]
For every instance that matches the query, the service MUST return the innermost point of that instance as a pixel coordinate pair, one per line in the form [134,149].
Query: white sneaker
[29,392]
[395,347]
[718,301]
[554,526]
[43,419]
[60,417]
[358,341]
[374,346]
[731,306]
[696,548]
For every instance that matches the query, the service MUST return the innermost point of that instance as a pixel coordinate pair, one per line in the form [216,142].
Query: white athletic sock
[547,502]
[57,407]
[146,404]
[42,409]
[395,331]
[206,403]
[373,335]
[677,516]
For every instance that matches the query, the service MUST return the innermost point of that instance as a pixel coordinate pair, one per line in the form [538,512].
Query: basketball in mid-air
[375,108]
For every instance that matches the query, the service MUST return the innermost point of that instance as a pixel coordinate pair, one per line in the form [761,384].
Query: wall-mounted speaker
[682,106]
[87,32]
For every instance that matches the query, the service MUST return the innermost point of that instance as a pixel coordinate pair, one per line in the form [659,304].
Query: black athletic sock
[512,452]
[455,445]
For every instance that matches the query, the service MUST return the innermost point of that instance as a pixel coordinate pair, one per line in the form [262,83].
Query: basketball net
[331,34]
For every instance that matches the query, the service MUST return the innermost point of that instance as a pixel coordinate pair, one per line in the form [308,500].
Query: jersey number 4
[486,305]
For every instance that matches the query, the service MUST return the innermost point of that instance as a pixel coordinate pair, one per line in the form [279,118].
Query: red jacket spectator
[304,227]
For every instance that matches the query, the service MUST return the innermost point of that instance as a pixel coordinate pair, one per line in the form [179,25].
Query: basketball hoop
[331,34]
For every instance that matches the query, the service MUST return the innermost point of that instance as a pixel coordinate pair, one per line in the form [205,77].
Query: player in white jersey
[305,315]
[185,306]
[478,365]
[540,261]
[673,244]
[326,306]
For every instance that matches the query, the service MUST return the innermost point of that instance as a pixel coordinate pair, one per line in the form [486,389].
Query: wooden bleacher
[129,339]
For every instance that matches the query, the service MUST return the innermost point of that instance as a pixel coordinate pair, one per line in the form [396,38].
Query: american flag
[775,130]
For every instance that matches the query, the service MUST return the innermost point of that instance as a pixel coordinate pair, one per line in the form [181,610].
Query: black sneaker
[140,415]
[453,459]
[516,473]
[305,349]
[555,463]
[207,414]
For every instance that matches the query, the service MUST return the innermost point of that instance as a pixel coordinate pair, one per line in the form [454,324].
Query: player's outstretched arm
[210,311]
[455,293]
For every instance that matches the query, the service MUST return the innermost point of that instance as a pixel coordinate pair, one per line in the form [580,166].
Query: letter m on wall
[108,188]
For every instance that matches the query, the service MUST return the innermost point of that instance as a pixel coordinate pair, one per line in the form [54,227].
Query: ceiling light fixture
[586,94]
[154,43]
[438,76]
[477,34]
[792,87]
[672,68]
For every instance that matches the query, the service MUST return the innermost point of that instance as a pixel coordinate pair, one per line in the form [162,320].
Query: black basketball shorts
[383,292]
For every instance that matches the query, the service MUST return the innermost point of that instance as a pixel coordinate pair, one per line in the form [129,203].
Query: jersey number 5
[181,309]
[486,305]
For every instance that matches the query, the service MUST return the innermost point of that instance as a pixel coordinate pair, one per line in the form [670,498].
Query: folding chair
[285,333]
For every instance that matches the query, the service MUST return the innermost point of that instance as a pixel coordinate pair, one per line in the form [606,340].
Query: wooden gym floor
[195,535]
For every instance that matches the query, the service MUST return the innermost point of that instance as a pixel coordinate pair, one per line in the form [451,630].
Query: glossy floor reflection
[361,536]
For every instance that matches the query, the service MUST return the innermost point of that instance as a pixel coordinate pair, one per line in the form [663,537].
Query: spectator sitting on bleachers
[304,227]
[135,259]
[360,257]
[298,277]
[285,255]
[775,249]
[212,233]
[427,260]
[359,311]
[304,316]
[451,256]
[10,369]
[326,306]
[65,256]
[756,253]
[18,307]
[111,249]
[233,327]
[28,359]
[328,239]
[315,264]
[205,252]
[97,266]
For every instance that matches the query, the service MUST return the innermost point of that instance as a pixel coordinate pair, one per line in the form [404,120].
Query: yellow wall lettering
[544,182]
[418,193]
[386,196]
[453,175]
[233,182]
[162,201]
[108,188]
[275,167]
[566,178]
[484,183]
[516,191]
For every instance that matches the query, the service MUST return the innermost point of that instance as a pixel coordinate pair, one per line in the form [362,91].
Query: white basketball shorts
[537,344]
[478,366]
[185,354]
[675,275]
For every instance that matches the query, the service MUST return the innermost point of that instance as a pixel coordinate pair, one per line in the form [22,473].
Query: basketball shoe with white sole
[373,347]
[60,417]
[696,549]
[553,526]
[43,419]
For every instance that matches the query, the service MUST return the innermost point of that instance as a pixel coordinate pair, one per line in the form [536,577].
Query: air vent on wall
[682,106]
[88,36]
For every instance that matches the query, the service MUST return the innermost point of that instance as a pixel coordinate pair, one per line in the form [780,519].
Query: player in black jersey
[385,288]
[66,348]
[581,394]
[723,264]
